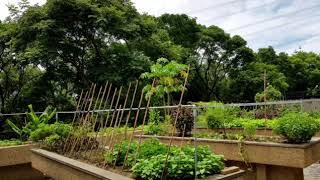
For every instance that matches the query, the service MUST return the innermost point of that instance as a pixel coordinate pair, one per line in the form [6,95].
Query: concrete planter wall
[15,163]
[63,168]
[14,155]
[271,160]
[259,131]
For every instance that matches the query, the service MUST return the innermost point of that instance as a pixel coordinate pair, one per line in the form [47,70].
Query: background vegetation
[49,53]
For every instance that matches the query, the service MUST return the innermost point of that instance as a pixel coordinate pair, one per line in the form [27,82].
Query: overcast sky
[284,24]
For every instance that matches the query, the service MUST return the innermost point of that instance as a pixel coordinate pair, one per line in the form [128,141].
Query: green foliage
[297,127]
[180,164]
[168,78]
[269,94]
[10,142]
[218,116]
[119,153]
[249,130]
[34,121]
[45,130]
[149,148]
[241,122]
[154,116]
[155,129]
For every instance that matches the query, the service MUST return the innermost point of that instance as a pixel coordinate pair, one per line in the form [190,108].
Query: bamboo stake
[143,122]
[101,120]
[127,119]
[105,125]
[128,116]
[74,117]
[134,128]
[89,118]
[113,115]
[83,122]
[125,104]
[95,119]
[175,122]
[83,107]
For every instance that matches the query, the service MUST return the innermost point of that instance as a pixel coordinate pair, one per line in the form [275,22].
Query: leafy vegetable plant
[297,127]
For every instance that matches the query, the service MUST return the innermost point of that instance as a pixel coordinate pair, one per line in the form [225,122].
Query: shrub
[185,120]
[10,142]
[46,130]
[152,129]
[154,116]
[218,117]
[180,165]
[119,152]
[249,130]
[296,127]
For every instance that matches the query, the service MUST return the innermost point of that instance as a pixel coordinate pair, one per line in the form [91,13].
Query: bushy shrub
[219,116]
[155,117]
[249,130]
[10,142]
[119,152]
[155,129]
[296,127]
[185,121]
[46,130]
[180,165]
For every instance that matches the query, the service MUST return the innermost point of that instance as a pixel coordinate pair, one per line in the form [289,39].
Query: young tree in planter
[168,76]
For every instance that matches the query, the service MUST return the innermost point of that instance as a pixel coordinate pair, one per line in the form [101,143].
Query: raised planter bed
[14,155]
[15,163]
[259,131]
[271,160]
[63,168]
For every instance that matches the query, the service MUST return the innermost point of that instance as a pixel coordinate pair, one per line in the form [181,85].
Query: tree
[216,56]
[168,78]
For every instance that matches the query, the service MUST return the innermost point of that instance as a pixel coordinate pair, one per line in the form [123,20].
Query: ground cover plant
[149,162]
[7,142]
[297,127]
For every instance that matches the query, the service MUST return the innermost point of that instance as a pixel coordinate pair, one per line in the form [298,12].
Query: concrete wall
[13,155]
[21,172]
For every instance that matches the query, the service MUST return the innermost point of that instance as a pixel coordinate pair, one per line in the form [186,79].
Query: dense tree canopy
[49,53]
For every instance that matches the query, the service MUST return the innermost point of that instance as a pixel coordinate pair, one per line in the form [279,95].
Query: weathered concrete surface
[21,172]
[62,168]
[14,155]
[312,172]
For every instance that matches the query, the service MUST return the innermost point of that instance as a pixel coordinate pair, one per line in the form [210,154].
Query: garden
[95,89]
[146,137]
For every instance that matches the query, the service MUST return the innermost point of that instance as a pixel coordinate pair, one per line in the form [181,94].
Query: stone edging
[86,168]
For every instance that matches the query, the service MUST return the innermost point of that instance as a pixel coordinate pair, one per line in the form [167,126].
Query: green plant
[34,121]
[154,116]
[119,153]
[45,130]
[168,77]
[10,142]
[219,116]
[155,129]
[270,94]
[149,148]
[185,121]
[296,127]
[180,165]
[249,130]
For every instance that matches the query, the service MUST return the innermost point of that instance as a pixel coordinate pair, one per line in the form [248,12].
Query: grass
[7,142]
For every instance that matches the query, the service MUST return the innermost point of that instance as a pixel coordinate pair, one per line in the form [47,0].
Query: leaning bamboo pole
[175,123]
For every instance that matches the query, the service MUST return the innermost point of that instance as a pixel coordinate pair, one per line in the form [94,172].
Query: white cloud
[4,10]
[230,14]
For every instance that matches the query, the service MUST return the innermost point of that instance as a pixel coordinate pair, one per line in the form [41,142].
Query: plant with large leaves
[34,121]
